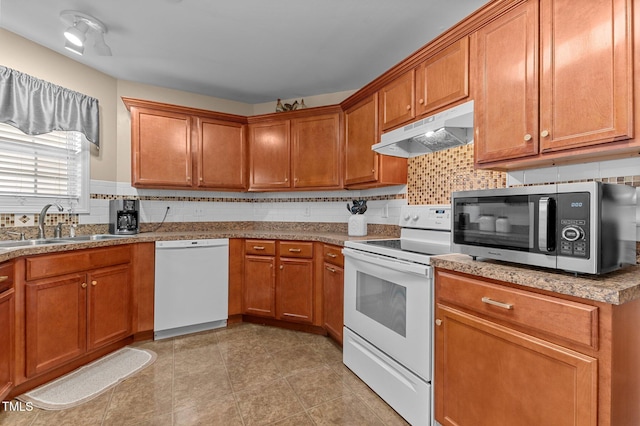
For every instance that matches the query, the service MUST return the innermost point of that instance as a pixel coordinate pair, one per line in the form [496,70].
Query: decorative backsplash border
[232,199]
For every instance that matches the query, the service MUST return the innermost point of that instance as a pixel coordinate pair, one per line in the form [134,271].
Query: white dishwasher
[191,286]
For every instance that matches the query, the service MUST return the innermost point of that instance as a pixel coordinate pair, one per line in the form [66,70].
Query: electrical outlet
[385,210]
[307,211]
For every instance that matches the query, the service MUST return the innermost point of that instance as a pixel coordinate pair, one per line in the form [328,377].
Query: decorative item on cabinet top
[280,107]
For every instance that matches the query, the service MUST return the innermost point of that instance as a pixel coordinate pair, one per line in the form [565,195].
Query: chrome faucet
[43,213]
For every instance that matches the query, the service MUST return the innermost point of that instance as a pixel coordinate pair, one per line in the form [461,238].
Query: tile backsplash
[433,177]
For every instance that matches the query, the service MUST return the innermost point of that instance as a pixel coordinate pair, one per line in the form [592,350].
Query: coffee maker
[123,217]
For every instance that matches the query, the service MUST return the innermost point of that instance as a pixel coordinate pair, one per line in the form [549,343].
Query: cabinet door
[259,286]
[443,78]
[269,155]
[397,101]
[160,148]
[294,291]
[221,155]
[56,313]
[109,315]
[361,132]
[586,73]
[487,374]
[7,315]
[317,153]
[506,98]
[333,300]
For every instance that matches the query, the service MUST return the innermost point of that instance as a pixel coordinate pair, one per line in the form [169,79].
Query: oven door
[388,302]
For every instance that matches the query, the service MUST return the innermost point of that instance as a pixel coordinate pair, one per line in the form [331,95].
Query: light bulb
[76,33]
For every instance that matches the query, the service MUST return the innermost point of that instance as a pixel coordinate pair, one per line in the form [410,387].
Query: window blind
[48,165]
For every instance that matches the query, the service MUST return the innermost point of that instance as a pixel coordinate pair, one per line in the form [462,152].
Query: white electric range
[388,312]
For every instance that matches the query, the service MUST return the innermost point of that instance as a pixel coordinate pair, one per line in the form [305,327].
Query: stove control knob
[415,217]
[407,217]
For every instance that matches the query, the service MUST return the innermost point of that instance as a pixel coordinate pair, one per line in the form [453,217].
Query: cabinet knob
[286,179]
[408,107]
[201,179]
[84,285]
[421,101]
[281,267]
[438,322]
[544,133]
[94,283]
[527,137]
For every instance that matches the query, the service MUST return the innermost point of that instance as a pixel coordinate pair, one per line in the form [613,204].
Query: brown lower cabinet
[333,291]
[7,313]
[86,308]
[279,280]
[506,355]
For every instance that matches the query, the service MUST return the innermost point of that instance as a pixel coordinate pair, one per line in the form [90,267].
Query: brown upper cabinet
[551,78]
[270,152]
[179,147]
[443,78]
[365,168]
[297,150]
[438,81]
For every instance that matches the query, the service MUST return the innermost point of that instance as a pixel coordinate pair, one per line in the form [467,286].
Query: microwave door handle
[543,224]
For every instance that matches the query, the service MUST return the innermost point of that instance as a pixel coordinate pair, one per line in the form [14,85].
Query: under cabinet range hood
[447,129]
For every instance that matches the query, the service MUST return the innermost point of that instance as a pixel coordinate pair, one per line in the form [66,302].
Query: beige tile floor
[242,375]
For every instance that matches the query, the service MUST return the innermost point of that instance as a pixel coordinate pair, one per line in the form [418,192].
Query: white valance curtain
[36,106]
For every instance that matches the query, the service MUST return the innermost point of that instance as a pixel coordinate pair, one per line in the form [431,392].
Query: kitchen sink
[31,243]
[64,240]
[95,237]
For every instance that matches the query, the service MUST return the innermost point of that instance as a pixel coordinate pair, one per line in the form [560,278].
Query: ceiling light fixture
[79,26]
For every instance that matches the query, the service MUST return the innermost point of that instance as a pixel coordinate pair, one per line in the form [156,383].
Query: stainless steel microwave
[586,227]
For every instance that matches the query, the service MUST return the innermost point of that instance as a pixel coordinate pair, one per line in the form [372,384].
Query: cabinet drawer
[296,249]
[333,255]
[6,276]
[571,321]
[260,247]
[51,265]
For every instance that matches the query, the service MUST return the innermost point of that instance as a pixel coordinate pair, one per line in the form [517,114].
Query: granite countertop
[296,235]
[616,287]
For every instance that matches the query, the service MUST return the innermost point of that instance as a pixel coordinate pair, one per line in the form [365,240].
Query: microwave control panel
[573,211]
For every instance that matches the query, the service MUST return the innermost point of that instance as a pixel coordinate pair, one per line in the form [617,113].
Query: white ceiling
[251,51]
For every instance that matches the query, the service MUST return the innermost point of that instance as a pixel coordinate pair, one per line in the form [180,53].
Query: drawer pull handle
[331,269]
[4,278]
[332,255]
[294,250]
[258,247]
[496,303]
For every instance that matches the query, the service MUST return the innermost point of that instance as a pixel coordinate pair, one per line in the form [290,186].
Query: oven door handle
[385,262]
